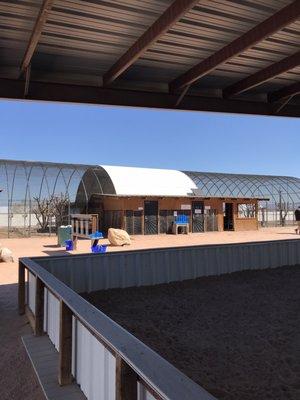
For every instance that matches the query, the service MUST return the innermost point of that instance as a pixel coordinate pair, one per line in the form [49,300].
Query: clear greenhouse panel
[36,197]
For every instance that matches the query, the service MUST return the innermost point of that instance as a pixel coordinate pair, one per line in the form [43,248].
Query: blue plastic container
[95,249]
[99,248]
[96,235]
[69,245]
[103,248]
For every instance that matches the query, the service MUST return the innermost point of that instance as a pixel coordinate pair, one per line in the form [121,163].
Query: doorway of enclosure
[150,217]
[228,216]
[197,216]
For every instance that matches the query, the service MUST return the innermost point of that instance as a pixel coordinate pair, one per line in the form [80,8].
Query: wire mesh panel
[128,222]
[198,223]
[137,222]
[163,221]
[112,219]
[167,218]
[133,222]
[211,223]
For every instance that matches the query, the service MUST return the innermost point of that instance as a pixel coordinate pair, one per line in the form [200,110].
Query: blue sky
[149,138]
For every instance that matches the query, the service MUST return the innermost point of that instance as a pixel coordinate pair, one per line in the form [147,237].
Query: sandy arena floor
[237,335]
[17,379]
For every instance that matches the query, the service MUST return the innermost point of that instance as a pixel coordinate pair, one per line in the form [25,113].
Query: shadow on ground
[17,378]
[57,252]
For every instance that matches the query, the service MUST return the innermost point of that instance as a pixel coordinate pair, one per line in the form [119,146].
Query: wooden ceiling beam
[36,33]
[173,13]
[285,92]
[277,21]
[263,75]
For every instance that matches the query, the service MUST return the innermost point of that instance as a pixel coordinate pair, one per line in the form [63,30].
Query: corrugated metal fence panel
[51,317]
[31,285]
[143,393]
[88,273]
[94,367]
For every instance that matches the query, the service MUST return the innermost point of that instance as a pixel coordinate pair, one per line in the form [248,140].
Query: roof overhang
[188,197]
[232,57]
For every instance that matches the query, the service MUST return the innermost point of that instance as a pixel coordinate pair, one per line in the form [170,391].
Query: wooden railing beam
[126,381]
[65,345]
[39,307]
[21,289]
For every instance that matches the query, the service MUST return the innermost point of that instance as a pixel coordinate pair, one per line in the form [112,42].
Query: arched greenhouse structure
[30,189]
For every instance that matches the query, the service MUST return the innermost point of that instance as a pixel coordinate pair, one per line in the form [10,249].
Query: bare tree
[42,211]
[55,206]
[60,208]
[283,207]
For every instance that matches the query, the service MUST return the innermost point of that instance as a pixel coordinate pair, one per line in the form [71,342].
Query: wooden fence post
[126,381]
[39,307]
[65,345]
[21,289]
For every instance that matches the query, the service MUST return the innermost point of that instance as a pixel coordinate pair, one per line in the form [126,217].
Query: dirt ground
[17,379]
[47,246]
[237,335]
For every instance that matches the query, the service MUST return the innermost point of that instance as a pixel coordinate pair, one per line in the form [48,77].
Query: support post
[39,307]
[75,240]
[65,345]
[21,289]
[126,381]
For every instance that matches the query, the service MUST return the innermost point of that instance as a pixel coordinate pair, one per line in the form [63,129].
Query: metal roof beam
[10,88]
[36,33]
[263,75]
[284,93]
[173,13]
[266,28]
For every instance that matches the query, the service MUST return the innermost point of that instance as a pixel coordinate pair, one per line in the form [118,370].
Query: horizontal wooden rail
[133,358]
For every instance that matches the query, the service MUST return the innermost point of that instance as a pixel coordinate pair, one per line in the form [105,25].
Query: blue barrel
[69,245]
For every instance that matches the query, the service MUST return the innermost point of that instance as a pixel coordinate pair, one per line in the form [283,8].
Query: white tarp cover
[149,181]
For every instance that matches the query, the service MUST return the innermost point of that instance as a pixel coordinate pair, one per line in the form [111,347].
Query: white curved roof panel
[149,181]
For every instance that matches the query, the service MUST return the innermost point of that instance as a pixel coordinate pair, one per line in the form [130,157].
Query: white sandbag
[6,255]
[118,237]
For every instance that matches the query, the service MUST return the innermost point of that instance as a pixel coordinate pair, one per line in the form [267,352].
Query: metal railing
[105,360]
[93,348]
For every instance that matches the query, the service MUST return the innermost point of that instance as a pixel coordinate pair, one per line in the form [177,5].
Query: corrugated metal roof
[81,40]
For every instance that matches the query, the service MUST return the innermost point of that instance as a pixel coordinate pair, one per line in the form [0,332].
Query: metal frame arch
[84,187]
